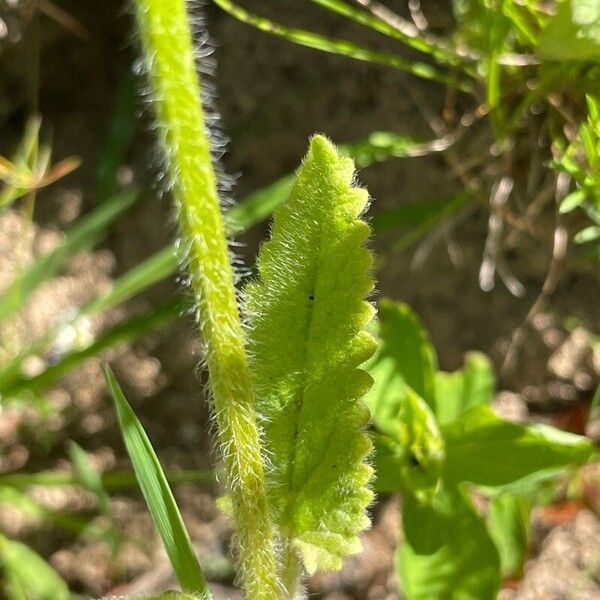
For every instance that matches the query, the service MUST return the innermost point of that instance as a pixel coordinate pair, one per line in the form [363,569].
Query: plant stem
[165,33]
[291,571]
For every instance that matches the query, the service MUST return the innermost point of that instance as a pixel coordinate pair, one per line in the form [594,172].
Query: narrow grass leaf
[418,42]
[258,206]
[88,476]
[141,277]
[121,334]
[112,481]
[342,47]
[83,235]
[158,495]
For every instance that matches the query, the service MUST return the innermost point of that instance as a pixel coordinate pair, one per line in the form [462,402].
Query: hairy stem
[291,571]
[169,52]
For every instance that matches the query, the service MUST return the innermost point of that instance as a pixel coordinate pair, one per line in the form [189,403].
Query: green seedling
[437,438]
[30,169]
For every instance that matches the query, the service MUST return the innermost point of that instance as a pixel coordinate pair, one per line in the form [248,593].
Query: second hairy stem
[169,52]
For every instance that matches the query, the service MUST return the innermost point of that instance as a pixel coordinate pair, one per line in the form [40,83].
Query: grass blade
[158,494]
[342,47]
[418,42]
[88,476]
[151,271]
[118,140]
[154,269]
[111,482]
[84,235]
[120,334]
[258,206]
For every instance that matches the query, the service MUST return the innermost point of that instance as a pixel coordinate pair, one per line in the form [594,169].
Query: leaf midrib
[300,403]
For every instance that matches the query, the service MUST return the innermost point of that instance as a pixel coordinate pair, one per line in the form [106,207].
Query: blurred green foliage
[437,437]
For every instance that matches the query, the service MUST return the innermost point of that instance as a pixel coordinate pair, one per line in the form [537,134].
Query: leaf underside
[307,315]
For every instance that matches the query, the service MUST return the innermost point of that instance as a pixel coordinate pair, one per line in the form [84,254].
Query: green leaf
[412,458]
[121,334]
[508,522]
[118,139]
[258,206]
[574,33]
[571,201]
[83,235]
[139,278]
[483,449]
[158,494]
[88,476]
[589,234]
[457,392]
[593,107]
[306,338]
[405,358]
[447,553]
[371,20]
[163,596]
[27,575]
[343,47]
[112,481]
[379,146]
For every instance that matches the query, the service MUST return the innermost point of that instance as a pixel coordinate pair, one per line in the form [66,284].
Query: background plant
[516,66]
[438,442]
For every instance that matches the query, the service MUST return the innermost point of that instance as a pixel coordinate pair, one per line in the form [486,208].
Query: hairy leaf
[307,313]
